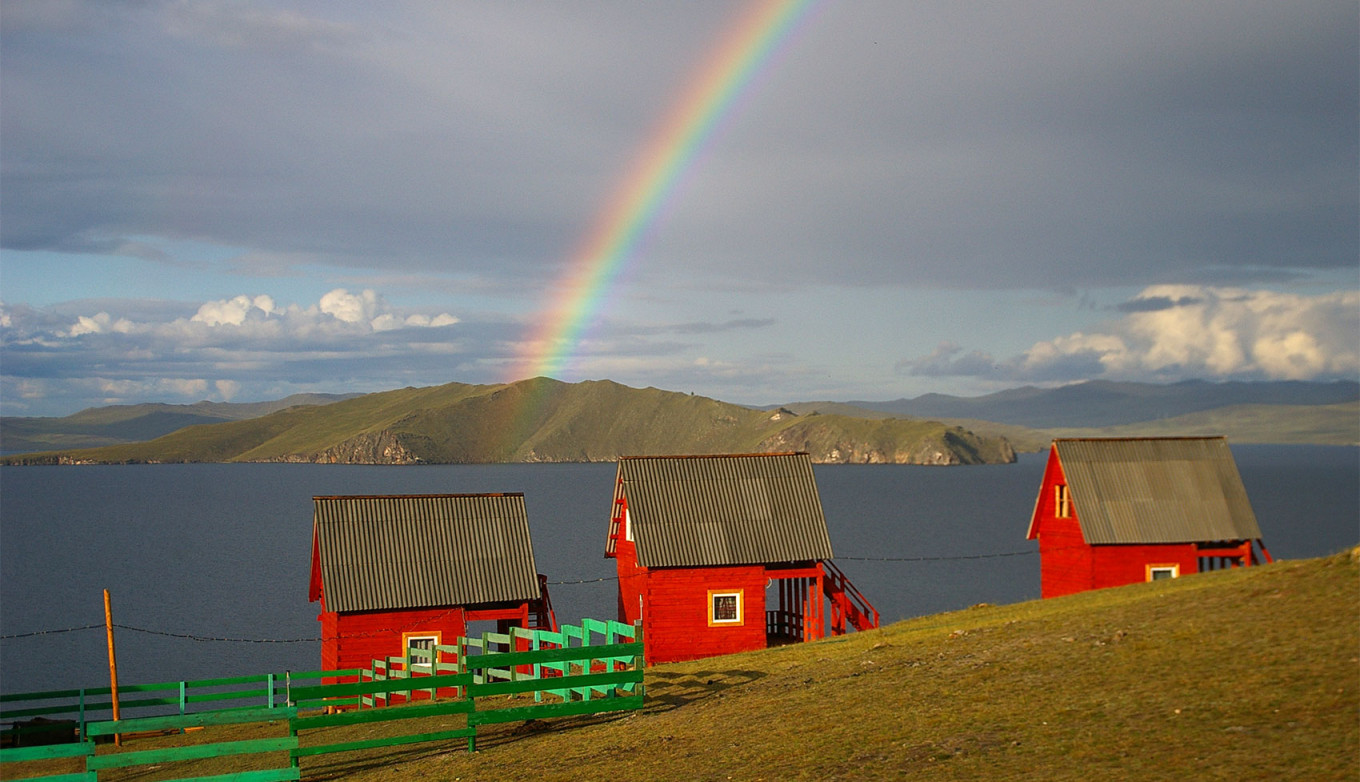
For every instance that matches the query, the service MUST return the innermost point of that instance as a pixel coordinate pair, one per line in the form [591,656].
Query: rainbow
[642,196]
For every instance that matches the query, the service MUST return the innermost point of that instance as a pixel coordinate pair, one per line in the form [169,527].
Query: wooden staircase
[849,606]
[541,614]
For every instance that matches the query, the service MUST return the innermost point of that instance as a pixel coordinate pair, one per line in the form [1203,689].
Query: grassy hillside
[1331,424]
[1249,674]
[100,426]
[543,421]
[1106,403]
[1337,424]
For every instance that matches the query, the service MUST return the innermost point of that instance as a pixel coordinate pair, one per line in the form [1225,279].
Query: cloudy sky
[243,200]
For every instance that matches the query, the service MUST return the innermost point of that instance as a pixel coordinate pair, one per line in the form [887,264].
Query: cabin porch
[1222,555]
[801,596]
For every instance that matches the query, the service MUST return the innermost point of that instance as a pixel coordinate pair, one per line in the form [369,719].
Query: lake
[213,559]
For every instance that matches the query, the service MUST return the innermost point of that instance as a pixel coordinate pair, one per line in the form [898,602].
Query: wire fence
[573,582]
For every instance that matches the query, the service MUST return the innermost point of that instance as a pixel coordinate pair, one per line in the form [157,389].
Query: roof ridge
[416,496]
[716,455]
[1141,438]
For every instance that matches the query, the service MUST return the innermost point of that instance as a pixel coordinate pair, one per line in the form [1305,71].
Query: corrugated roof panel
[1156,490]
[420,551]
[724,510]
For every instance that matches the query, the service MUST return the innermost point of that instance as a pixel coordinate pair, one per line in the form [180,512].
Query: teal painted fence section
[86,704]
[594,668]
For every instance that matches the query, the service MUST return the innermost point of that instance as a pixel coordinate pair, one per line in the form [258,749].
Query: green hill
[1248,674]
[1245,674]
[1336,424]
[541,420]
[1282,424]
[99,426]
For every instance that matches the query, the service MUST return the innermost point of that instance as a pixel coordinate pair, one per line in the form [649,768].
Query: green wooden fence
[566,672]
[87,704]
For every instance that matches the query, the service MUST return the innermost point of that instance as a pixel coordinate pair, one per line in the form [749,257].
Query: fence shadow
[667,691]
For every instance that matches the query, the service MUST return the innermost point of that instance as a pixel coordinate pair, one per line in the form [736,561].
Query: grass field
[1236,675]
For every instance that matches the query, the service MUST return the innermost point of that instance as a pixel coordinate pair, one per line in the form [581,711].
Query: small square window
[724,608]
[425,645]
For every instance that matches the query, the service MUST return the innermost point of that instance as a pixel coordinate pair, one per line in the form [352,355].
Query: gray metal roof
[423,551]
[1156,490]
[723,510]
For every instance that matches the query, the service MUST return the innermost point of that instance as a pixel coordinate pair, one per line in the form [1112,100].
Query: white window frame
[407,638]
[713,596]
[1152,571]
[627,525]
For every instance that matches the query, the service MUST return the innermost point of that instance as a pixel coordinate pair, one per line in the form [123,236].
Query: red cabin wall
[673,604]
[355,640]
[632,577]
[1128,564]
[675,612]
[1067,564]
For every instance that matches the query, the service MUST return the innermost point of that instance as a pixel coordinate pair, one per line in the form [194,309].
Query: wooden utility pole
[113,664]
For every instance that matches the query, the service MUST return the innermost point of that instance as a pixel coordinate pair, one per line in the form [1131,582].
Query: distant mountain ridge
[116,424]
[464,423]
[1102,403]
[541,420]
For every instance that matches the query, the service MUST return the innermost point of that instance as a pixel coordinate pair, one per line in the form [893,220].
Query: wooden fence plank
[78,776]
[595,680]
[34,711]
[380,686]
[382,715]
[508,659]
[47,752]
[266,775]
[192,752]
[195,720]
[555,710]
[351,746]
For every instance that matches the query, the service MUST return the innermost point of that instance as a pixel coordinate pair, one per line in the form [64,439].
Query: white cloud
[246,345]
[1172,332]
[419,320]
[234,311]
[351,308]
[227,389]
[99,323]
[1235,332]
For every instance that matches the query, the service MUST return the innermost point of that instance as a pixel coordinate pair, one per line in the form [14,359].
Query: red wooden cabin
[397,572]
[1123,510]
[722,554]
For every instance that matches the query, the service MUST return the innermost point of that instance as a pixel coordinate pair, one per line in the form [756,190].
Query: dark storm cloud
[1155,303]
[1048,144]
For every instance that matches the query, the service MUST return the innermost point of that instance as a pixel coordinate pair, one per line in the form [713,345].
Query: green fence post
[269,690]
[183,698]
[292,728]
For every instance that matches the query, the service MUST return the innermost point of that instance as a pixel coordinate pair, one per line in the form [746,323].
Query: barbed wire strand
[215,639]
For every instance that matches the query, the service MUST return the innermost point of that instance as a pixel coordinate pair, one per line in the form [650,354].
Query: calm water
[222,551]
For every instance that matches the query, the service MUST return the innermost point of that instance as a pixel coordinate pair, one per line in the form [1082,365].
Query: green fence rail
[86,704]
[568,673]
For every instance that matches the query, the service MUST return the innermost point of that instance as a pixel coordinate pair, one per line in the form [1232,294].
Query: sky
[238,201]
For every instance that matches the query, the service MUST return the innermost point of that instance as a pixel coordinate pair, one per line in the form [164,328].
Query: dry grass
[1247,674]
